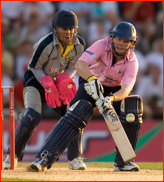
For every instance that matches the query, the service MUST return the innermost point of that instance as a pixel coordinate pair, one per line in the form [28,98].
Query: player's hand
[94,88]
[66,87]
[103,104]
[51,93]
[99,104]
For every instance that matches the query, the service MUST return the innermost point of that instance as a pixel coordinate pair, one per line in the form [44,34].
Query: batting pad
[67,128]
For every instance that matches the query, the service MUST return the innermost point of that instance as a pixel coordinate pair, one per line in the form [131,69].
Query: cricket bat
[118,134]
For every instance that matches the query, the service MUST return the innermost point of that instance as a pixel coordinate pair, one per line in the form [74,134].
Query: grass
[143,166]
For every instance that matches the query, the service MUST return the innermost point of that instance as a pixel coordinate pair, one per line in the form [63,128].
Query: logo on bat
[113,116]
[110,118]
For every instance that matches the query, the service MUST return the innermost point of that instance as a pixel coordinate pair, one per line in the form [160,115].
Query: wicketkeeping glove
[66,87]
[94,88]
[51,93]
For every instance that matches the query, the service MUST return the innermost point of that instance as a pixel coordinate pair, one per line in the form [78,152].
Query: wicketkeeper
[49,79]
[108,68]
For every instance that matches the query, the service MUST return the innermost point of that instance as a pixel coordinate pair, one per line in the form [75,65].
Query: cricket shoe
[129,166]
[77,164]
[41,163]
[6,163]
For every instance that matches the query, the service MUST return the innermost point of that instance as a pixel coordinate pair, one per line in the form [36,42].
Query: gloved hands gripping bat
[95,89]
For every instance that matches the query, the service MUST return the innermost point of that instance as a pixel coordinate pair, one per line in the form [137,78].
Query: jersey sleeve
[92,53]
[39,57]
[130,74]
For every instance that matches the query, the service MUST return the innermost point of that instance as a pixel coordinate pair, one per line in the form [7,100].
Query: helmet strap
[124,53]
[57,36]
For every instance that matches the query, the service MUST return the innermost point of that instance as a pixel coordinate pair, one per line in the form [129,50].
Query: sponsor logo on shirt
[54,70]
[68,58]
[54,58]
[131,76]
[90,53]
[109,79]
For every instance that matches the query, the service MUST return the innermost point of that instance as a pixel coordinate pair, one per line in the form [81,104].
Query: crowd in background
[24,22]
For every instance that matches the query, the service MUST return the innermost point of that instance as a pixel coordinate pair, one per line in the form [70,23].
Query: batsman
[108,69]
[49,80]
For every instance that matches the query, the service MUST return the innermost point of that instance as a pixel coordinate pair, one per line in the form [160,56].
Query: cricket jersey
[50,56]
[99,57]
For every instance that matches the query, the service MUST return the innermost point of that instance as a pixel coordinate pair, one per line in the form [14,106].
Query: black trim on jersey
[40,49]
[51,52]
[82,41]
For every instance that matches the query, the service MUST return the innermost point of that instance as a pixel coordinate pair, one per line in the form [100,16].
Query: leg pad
[132,105]
[25,128]
[67,128]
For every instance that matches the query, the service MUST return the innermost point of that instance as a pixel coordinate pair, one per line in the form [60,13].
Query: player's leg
[74,154]
[62,134]
[33,99]
[75,149]
[133,106]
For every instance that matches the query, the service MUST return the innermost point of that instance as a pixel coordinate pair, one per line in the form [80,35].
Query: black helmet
[65,19]
[124,30]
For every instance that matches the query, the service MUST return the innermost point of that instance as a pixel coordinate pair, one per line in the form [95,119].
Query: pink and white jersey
[99,56]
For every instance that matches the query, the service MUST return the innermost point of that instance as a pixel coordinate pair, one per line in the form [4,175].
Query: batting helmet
[65,19]
[124,30]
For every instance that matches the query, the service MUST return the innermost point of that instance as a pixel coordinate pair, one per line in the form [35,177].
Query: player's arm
[88,57]
[128,81]
[39,73]
[70,71]
[122,93]
[83,69]
[127,85]
[119,95]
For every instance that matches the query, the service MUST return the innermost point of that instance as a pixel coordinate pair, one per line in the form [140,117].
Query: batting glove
[94,88]
[104,104]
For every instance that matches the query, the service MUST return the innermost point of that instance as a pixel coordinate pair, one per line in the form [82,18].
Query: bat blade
[119,135]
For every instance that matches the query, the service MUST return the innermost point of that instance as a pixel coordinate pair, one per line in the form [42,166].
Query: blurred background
[24,22]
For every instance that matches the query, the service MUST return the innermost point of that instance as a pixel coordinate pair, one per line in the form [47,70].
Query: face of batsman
[123,37]
[121,45]
[65,35]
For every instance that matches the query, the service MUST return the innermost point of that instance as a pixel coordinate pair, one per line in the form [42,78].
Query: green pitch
[143,166]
